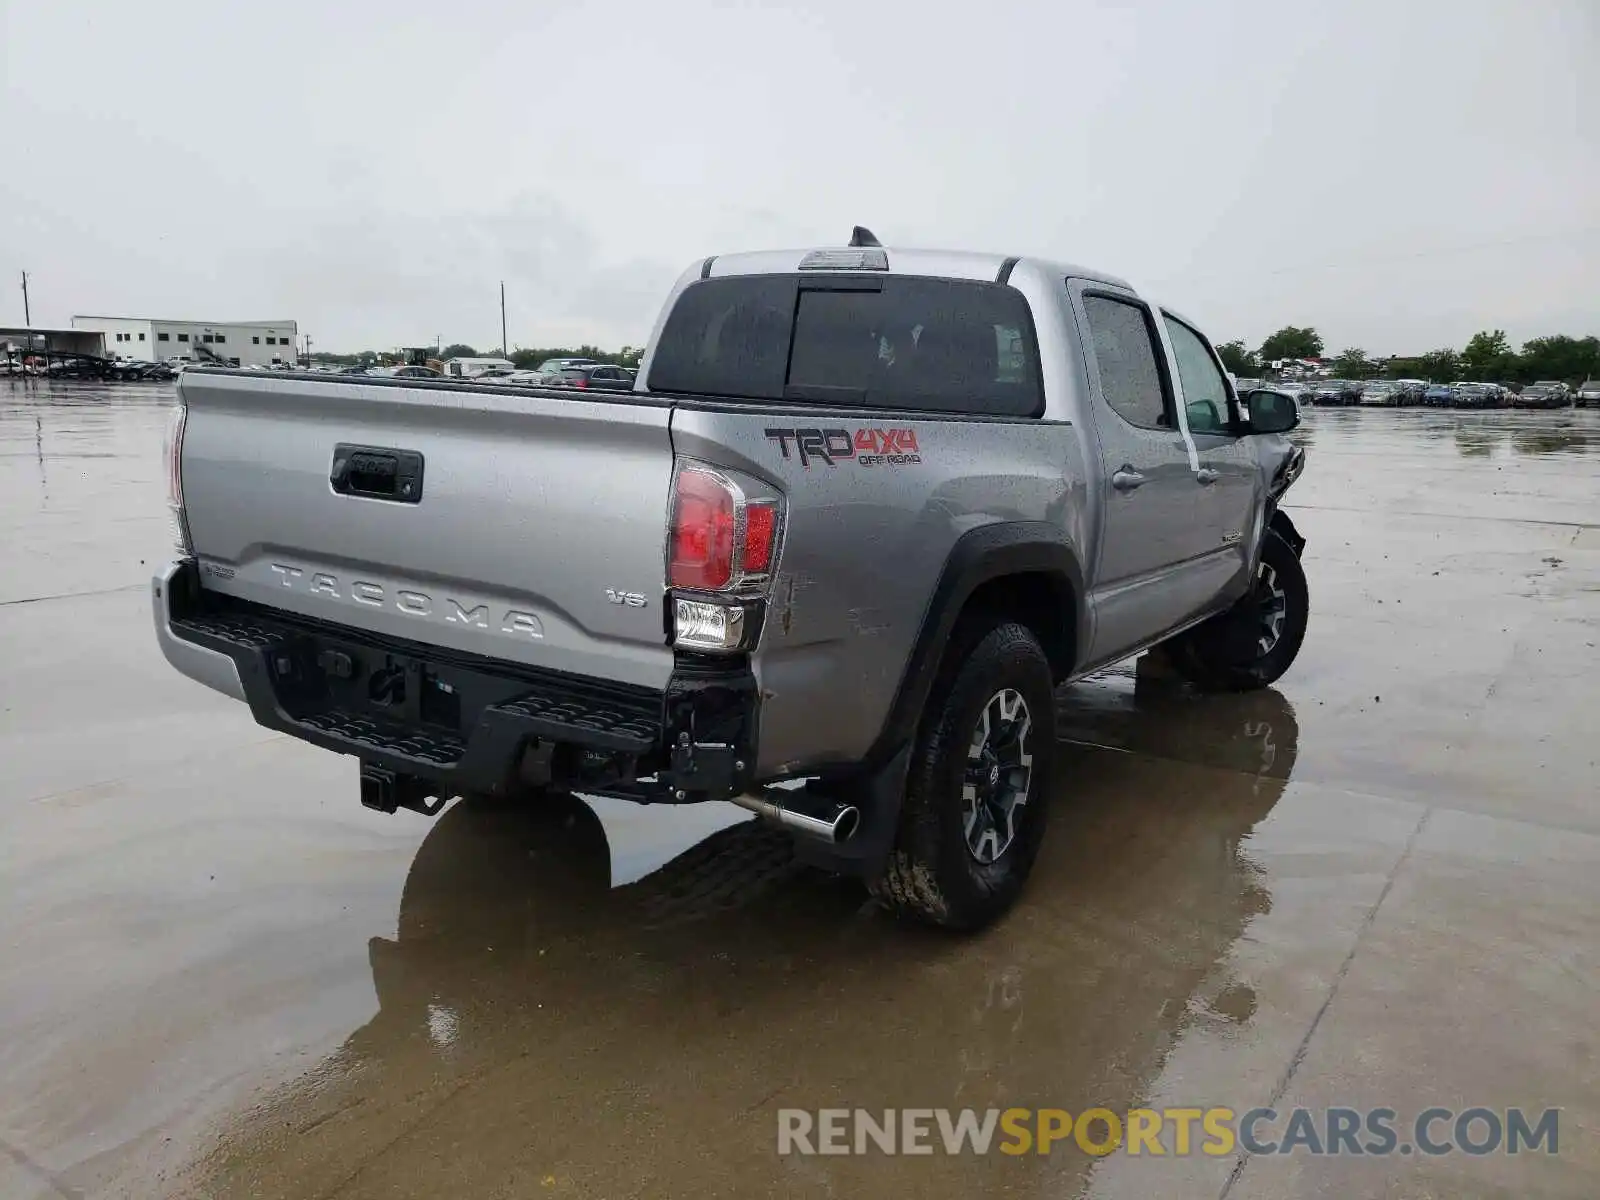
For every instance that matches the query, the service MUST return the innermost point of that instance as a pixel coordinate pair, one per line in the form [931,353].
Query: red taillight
[719,540]
[703,519]
[582,381]
[760,527]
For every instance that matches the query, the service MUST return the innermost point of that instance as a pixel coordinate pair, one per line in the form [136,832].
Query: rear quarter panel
[864,546]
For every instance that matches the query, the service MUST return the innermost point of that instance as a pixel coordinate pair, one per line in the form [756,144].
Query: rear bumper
[461,723]
[213,668]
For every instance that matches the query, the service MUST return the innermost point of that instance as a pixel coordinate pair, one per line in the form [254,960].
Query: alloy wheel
[1272,608]
[998,774]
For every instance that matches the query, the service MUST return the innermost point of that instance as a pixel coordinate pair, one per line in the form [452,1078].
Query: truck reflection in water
[543,1014]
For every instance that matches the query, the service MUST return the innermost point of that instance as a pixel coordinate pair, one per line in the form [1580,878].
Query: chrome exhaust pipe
[839,826]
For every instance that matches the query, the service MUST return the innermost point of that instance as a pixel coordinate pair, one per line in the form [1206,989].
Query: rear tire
[1252,644]
[976,798]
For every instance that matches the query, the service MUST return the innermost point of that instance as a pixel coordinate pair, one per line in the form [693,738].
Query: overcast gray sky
[1398,173]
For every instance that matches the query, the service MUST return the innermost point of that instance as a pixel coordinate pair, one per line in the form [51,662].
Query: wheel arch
[1022,569]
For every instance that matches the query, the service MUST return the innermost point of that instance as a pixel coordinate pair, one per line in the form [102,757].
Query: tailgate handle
[377,473]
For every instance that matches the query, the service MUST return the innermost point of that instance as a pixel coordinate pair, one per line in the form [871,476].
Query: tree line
[1488,356]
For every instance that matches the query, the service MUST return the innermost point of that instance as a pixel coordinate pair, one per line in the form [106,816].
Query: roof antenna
[862,236]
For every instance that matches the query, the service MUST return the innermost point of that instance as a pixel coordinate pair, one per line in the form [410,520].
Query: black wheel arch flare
[981,557]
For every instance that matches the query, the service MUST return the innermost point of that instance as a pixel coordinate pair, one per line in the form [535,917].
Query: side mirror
[1272,412]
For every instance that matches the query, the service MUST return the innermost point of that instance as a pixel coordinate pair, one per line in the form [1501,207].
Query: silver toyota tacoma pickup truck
[864,512]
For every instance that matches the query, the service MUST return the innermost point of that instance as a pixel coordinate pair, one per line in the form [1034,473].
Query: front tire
[974,813]
[1252,644]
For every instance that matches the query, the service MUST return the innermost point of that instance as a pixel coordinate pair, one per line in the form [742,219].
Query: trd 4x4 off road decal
[868,447]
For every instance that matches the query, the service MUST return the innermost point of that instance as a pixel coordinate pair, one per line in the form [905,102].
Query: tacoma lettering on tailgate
[410,601]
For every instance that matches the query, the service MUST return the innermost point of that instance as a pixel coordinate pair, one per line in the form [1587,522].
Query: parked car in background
[1337,391]
[82,366]
[416,372]
[1588,393]
[1411,390]
[605,377]
[1439,395]
[1301,389]
[1381,393]
[1244,387]
[495,374]
[137,369]
[1477,395]
[550,369]
[1545,394]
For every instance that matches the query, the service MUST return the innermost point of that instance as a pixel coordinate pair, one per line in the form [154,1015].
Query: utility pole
[503,346]
[27,315]
[308,351]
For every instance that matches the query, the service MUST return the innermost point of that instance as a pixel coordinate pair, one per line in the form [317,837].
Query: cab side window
[1205,391]
[1126,352]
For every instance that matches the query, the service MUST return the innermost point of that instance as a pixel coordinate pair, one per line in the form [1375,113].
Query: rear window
[935,345]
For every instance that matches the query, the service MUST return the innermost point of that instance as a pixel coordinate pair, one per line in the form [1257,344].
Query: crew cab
[863,512]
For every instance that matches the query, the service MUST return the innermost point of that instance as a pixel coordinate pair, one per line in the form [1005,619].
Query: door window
[1125,351]
[1205,391]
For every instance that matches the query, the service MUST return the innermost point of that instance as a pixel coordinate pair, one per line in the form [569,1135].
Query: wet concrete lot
[1375,885]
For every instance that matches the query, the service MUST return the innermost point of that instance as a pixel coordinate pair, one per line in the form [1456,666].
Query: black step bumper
[462,723]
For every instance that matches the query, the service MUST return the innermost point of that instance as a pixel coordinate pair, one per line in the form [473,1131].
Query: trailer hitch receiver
[386,791]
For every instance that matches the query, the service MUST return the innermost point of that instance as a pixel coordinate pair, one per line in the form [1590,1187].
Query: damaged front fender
[1284,528]
[1290,462]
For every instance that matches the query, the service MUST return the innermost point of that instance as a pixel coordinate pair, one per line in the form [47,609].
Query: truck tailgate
[533,530]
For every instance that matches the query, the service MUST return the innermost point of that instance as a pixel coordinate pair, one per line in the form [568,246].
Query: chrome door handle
[1206,475]
[1127,479]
